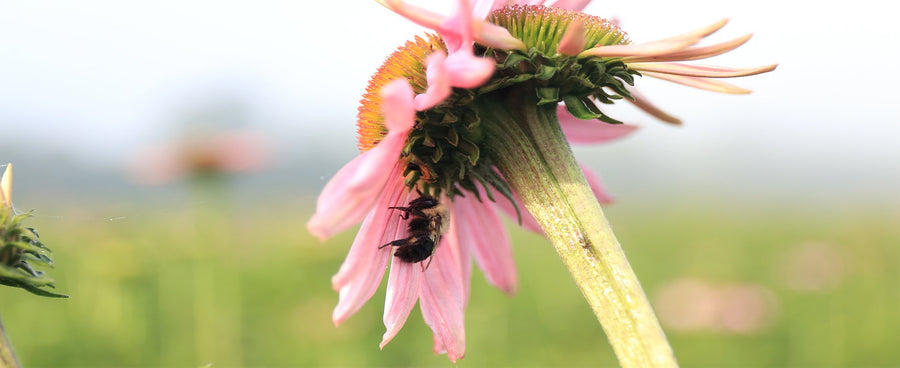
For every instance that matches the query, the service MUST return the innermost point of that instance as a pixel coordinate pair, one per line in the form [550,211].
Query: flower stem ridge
[537,162]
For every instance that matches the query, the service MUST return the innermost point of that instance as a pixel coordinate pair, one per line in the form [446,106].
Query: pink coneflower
[224,152]
[435,123]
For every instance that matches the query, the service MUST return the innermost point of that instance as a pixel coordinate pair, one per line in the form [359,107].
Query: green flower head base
[20,248]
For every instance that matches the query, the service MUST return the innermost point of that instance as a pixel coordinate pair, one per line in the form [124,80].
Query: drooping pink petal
[457,31]
[644,104]
[576,5]
[700,70]
[701,83]
[348,196]
[573,40]
[402,294]
[579,131]
[350,193]
[492,248]
[442,296]
[596,185]
[466,70]
[438,82]
[362,270]
[398,106]
[418,15]
[697,53]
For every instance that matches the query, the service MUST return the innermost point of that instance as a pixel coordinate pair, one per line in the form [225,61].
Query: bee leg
[396,243]
[405,210]
[425,266]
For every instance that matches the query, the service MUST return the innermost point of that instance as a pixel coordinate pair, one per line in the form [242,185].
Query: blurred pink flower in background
[695,305]
[225,152]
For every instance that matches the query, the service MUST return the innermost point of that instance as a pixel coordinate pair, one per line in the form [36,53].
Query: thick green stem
[533,155]
[7,356]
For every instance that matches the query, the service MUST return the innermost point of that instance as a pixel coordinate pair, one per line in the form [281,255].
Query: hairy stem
[7,356]
[535,158]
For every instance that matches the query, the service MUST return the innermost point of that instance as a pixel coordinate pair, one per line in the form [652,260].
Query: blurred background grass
[213,282]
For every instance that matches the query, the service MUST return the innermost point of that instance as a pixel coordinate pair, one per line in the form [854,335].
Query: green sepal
[547,95]
[577,108]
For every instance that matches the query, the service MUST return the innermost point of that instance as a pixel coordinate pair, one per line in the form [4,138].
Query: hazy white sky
[96,79]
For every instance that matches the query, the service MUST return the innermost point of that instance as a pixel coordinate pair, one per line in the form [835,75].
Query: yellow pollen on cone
[407,62]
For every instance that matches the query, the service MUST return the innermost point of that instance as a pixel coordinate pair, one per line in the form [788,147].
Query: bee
[428,220]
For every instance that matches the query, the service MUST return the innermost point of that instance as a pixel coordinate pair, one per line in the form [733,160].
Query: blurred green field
[250,288]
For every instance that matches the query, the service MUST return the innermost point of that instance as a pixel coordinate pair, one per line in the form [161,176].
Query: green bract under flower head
[20,250]
[446,152]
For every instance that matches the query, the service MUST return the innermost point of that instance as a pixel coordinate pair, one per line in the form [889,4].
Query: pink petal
[442,296]
[701,83]
[420,16]
[700,33]
[402,294]
[350,193]
[438,82]
[481,229]
[592,131]
[573,40]
[700,70]
[576,5]
[696,53]
[362,270]
[456,30]
[397,106]
[644,104]
[660,48]
[468,71]
[648,49]
[596,185]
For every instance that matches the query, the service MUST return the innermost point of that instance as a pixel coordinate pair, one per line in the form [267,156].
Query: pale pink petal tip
[700,70]
[468,71]
[438,82]
[659,48]
[401,296]
[573,40]
[398,106]
[713,85]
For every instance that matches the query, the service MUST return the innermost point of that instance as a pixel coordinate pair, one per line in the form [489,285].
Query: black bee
[428,220]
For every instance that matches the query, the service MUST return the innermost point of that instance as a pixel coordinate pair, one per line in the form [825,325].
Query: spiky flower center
[445,152]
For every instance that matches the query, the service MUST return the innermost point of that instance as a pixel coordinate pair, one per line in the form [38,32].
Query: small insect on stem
[428,219]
